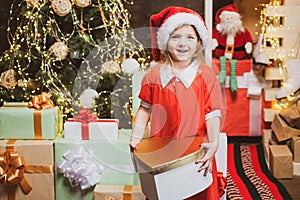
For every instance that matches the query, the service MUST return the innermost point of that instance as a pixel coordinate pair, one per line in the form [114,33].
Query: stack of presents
[249,114]
[281,133]
[282,142]
[37,162]
[44,157]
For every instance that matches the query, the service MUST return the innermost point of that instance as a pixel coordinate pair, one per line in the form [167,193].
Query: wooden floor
[292,186]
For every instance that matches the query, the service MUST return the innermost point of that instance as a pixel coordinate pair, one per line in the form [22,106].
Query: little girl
[181,95]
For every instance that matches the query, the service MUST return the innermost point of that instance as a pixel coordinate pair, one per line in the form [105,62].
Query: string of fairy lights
[37,36]
[271,24]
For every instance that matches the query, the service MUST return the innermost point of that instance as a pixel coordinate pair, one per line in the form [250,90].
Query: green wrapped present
[17,121]
[81,164]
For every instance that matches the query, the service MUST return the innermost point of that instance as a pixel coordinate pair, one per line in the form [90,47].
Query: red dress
[181,104]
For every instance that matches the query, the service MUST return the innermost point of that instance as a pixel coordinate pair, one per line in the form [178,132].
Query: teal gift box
[114,156]
[17,121]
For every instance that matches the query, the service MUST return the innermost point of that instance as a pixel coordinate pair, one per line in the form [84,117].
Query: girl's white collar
[186,77]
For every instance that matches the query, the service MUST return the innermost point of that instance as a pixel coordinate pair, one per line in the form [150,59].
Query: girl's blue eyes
[178,37]
[174,37]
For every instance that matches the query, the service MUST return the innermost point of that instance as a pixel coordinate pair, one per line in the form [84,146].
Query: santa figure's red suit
[233,45]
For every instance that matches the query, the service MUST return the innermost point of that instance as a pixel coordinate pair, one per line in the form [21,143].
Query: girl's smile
[182,46]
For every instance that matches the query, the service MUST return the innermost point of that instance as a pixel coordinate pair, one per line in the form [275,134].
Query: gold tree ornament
[82,3]
[110,67]
[60,50]
[8,79]
[61,7]
[33,3]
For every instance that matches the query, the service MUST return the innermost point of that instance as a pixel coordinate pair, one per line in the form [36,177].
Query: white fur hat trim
[225,12]
[177,20]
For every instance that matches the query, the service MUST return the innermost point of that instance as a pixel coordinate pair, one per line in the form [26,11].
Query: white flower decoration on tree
[82,3]
[60,50]
[110,67]
[8,79]
[130,66]
[87,98]
[61,7]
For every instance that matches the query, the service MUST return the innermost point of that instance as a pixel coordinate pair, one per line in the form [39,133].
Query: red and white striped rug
[249,177]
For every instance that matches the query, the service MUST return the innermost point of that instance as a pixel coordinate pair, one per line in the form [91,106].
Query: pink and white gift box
[100,129]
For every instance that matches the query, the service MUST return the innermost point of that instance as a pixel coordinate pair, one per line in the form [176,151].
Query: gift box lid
[163,154]
[15,104]
[280,151]
[282,130]
[118,192]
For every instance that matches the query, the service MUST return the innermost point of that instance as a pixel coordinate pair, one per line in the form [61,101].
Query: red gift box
[243,115]
[242,66]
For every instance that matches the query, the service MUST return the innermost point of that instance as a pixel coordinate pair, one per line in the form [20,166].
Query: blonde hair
[199,55]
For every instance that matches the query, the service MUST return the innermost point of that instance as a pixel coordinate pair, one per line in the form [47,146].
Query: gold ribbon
[12,169]
[127,194]
[41,101]
[37,122]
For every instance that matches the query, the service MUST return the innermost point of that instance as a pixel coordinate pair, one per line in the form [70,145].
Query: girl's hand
[138,130]
[134,144]
[206,160]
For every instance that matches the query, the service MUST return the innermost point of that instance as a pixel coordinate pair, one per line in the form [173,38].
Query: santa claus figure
[230,38]
[230,41]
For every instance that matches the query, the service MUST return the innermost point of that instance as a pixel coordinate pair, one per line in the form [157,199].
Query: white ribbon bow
[80,168]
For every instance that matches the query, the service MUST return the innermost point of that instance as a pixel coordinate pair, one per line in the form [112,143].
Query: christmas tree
[73,50]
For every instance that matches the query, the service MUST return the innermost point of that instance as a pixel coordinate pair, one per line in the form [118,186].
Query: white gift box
[103,129]
[167,168]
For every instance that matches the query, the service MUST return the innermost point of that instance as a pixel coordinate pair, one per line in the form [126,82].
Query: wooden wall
[250,16]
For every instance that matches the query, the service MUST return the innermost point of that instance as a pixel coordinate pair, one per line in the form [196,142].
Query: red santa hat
[229,9]
[165,22]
